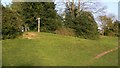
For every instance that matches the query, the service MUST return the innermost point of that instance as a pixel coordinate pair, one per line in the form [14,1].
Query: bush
[10,24]
[65,31]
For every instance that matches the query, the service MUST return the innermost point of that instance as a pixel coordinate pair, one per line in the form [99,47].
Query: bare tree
[76,6]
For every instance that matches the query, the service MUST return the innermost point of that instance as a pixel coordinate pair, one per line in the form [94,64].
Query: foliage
[25,14]
[87,27]
[81,21]
[45,10]
[84,25]
[116,26]
[65,31]
[109,27]
[76,6]
[10,23]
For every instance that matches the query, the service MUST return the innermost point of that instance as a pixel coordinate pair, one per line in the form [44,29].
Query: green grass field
[57,50]
[0,53]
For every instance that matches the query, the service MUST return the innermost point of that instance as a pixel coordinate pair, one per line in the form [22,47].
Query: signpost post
[38,24]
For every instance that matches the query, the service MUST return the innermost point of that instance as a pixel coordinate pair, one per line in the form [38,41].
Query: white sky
[5,2]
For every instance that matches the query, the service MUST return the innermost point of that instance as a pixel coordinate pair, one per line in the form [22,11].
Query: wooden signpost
[38,24]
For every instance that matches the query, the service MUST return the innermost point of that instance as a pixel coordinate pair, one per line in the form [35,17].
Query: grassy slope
[56,50]
[108,59]
[0,53]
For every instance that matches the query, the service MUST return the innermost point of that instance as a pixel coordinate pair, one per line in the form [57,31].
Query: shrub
[10,24]
[65,31]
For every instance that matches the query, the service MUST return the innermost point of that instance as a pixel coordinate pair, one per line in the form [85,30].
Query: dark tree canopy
[44,10]
[84,25]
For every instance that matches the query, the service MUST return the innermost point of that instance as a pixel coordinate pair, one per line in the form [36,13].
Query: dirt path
[106,52]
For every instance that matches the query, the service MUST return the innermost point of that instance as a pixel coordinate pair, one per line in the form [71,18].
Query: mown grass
[56,50]
[108,59]
[0,53]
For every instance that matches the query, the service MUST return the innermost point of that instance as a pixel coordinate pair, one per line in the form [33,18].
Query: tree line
[23,15]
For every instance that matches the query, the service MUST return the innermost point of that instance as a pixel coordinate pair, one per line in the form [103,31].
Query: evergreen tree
[45,10]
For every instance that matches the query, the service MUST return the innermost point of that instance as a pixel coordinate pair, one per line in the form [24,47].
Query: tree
[1,21]
[84,25]
[11,23]
[116,26]
[108,25]
[50,21]
[81,20]
[74,7]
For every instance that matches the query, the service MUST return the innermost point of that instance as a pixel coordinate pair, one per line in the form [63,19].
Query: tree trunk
[73,7]
[78,4]
[68,5]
